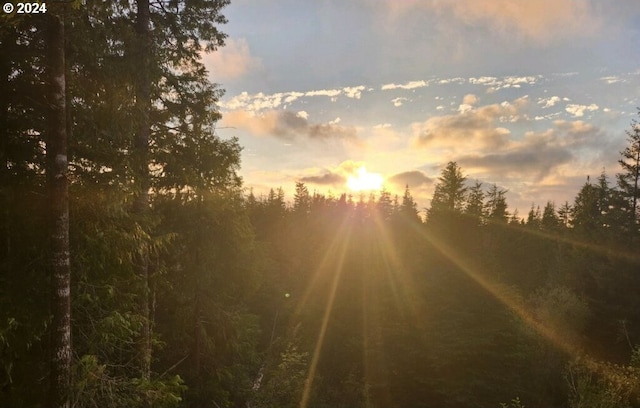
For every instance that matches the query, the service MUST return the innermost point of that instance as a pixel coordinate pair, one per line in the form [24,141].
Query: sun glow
[363,180]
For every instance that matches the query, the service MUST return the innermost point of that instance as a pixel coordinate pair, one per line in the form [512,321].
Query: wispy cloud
[408,85]
[494,84]
[232,61]
[541,21]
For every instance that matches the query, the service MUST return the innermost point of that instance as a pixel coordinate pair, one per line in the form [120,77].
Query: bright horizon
[533,98]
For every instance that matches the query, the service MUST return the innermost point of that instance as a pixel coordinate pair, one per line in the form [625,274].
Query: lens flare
[364,181]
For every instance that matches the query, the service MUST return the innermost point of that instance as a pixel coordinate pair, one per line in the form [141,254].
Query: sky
[533,96]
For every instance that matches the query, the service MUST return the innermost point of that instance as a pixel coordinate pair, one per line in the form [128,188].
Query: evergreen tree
[534,218]
[448,201]
[450,191]
[588,210]
[474,207]
[630,175]
[384,205]
[496,207]
[550,221]
[564,214]
[301,199]
[409,209]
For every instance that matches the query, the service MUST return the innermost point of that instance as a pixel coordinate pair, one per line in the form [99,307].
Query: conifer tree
[496,207]
[550,219]
[449,196]
[534,218]
[629,177]
[564,214]
[474,207]
[409,208]
[301,199]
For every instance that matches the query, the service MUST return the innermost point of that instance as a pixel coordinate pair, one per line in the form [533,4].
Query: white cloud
[292,96]
[332,93]
[397,102]
[578,110]
[303,115]
[456,80]
[495,84]
[483,80]
[548,102]
[408,85]
[612,79]
[464,108]
[353,92]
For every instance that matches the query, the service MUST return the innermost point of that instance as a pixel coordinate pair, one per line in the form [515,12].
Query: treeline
[157,280]
[475,306]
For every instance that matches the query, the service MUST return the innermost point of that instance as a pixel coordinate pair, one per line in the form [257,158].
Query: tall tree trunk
[636,177]
[141,153]
[5,72]
[58,189]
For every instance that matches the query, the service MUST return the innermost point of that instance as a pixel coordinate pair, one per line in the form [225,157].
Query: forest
[136,270]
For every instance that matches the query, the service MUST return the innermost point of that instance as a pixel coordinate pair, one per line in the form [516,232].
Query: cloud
[468,102]
[257,102]
[612,79]
[408,85]
[353,92]
[287,125]
[494,84]
[397,102]
[578,110]
[414,178]
[331,93]
[336,176]
[327,178]
[536,163]
[470,99]
[232,61]
[541,21]
[538,154]
[475,127]
[292,96]
[548,102]
[456,80]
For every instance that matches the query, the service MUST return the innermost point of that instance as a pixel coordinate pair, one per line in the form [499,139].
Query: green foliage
[515,403]
[282,382]
[602,385]
[94,385]
[465,310]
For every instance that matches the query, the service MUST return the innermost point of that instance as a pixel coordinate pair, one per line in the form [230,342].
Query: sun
[364,181]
